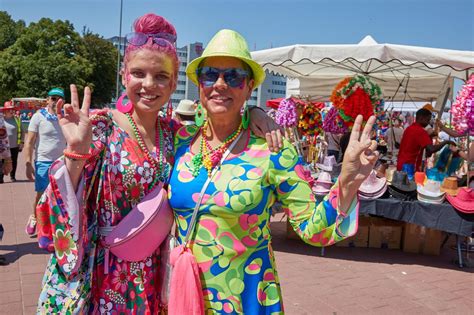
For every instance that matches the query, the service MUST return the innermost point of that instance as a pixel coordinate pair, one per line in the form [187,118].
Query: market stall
[27,106]
[403,72]
[339,73]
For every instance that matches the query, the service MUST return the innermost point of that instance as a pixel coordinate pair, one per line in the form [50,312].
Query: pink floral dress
[78,278]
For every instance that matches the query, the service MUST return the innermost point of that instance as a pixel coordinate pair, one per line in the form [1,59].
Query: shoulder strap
[203,190]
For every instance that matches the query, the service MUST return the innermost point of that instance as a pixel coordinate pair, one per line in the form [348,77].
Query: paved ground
[344,281]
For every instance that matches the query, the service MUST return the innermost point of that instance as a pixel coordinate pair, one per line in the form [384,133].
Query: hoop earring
[124,108]
[199,117]
[169,111]
[246,118]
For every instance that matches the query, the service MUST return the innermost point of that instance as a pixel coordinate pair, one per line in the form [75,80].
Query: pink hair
[153,24]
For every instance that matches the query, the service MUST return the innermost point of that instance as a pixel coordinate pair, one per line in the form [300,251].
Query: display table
[441,217]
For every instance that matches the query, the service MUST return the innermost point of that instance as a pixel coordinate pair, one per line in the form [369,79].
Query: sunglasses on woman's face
[161,39]
[54,98]
[233,77]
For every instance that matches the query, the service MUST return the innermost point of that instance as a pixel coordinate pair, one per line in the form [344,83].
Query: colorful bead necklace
[159,165]
[208,156]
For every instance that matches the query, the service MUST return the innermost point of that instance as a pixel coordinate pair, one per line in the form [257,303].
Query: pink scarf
[185,288]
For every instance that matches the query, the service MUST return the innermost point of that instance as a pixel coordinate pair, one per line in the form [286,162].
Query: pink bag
[143,229]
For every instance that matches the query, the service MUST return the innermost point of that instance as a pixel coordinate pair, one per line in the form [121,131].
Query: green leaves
[50,54]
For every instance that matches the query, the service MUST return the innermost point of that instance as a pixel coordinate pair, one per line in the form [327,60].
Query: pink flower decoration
[333,122]
[286,113]
[462,109]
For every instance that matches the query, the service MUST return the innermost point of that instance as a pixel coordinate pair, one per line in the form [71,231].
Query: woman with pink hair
[113,159]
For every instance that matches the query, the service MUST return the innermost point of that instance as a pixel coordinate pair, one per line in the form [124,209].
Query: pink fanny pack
[142,230]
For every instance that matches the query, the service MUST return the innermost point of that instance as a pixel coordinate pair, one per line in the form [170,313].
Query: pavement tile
[9,286]
[11,308]
[29,309]
[343,281]
[30,300]
[10,296]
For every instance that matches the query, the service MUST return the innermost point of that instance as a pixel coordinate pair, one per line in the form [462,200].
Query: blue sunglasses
[233,77]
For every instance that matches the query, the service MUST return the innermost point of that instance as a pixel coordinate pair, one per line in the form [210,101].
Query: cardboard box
[420,239]
[361,238]
[385,233]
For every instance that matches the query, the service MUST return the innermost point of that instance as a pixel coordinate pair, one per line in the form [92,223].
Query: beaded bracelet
[76,156]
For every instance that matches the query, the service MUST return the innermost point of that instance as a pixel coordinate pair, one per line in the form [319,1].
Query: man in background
[415,140]
[46,139]
[185,112]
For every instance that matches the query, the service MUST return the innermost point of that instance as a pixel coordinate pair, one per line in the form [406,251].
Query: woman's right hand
[74,121]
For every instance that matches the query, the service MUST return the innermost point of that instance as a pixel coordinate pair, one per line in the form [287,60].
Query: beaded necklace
[158,166]
[208,156]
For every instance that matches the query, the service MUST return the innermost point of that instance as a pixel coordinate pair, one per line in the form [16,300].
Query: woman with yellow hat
[231,238]
[116,158]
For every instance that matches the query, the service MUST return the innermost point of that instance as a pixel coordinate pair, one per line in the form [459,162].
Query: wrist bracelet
[76,156]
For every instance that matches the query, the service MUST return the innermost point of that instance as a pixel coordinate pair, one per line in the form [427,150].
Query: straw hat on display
[450,186]
[372,187]
[430,192]
[401,187]
[328,163]
[464,200]
[389,173]
[323,184]
[401,182]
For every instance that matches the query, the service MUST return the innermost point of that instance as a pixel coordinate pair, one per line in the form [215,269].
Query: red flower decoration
[358,103]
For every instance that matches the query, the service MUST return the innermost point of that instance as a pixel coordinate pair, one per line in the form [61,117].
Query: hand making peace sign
[74,121]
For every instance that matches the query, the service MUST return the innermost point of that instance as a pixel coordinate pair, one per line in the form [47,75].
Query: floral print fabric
[231,240]
[114,181]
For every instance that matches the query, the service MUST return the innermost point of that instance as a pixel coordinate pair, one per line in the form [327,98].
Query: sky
[272,23]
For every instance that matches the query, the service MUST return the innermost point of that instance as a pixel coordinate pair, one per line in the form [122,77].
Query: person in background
[415,140]
[334,147]
[46,139]
[394,137]
[15,135]
[429,128]
[467,155]
[5,155]
[186,112]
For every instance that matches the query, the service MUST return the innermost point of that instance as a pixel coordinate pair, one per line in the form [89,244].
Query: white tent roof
[418,71]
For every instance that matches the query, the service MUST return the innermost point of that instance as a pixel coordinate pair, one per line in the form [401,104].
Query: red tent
[276,102]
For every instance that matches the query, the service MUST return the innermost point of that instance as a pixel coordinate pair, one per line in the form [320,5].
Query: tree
[102,56]
[47,54]
[9,30]
[52,54]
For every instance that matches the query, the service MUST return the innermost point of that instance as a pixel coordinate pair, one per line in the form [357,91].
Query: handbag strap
[203,190]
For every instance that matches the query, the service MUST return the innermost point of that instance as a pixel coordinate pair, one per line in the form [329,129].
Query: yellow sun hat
[227,43]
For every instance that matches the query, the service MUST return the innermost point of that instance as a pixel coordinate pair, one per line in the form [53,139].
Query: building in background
[185,89]
[274,86]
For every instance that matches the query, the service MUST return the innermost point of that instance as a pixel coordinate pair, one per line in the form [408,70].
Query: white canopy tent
[405,73]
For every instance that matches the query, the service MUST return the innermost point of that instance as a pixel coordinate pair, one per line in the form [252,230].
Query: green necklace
[159,165]
[208,156]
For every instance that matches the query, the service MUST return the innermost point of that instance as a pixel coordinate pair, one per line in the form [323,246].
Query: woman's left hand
[359,160]
[265,127]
